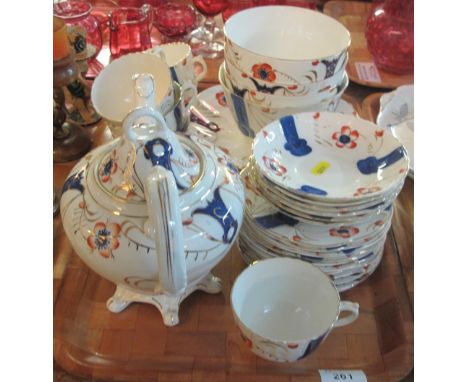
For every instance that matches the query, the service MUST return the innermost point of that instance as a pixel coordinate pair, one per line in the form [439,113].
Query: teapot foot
[168,305]
[210,284]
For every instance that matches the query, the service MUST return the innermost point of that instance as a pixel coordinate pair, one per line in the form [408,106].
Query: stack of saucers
[321,187]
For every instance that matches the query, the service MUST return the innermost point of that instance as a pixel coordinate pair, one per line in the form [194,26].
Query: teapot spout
[164,216]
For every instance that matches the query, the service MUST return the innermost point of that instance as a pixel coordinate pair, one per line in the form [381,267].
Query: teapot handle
[166,224]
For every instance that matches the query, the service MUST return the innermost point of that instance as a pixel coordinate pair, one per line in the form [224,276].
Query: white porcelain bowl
[313,44]
[279,96]
[280,84]
[251,117]
[112,92]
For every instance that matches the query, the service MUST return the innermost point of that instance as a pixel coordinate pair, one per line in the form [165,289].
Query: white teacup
[181,62]
[285,308]
[112,93]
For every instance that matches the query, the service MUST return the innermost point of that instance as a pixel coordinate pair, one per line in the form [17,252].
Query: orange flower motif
[221,98]
[274,166]
[104,238]
[264,72]
[317,115]
[366,190]
[346,137]
[379,134]
[224,150]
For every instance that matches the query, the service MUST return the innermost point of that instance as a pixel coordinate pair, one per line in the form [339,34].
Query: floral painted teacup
[285,308]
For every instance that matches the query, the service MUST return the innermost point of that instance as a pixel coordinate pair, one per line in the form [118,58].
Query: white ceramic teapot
[152,211]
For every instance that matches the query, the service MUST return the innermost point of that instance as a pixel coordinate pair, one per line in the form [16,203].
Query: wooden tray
[206,346]
[353,15]
[91,342]
[403,220]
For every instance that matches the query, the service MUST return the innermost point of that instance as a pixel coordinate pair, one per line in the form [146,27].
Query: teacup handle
[188,87]
[200,60]
[347,306]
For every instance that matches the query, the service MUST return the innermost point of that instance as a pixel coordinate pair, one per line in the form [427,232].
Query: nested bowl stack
[275,67]
[320,187]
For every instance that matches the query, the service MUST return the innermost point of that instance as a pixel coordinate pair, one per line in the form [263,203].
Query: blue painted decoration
[163,159]
[73,182]
[237,99]
[276,220]
[330,66]
[372,164]
[218,211]
[313,190]
[174,75]
[312,346]
[295,145]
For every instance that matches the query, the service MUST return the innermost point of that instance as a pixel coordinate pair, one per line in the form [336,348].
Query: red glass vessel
[175,20]
[130,30]
[390,35]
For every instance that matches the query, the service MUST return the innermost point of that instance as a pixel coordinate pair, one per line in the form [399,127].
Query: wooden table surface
[402,228]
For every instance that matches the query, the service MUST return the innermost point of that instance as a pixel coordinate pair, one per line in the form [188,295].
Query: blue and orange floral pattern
[104,238]
[221,98]
[274,166]
[264,72]
[344,232]
[109,168]
[346,137]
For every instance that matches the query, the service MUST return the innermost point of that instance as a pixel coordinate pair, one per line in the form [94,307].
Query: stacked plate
[321,187]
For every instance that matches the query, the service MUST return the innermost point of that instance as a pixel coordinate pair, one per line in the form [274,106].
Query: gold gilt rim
[198,152]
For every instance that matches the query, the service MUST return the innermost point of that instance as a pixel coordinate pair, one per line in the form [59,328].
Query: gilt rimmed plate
[330,156]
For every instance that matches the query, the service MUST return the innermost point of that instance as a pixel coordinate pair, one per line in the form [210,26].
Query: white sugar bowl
[153,212]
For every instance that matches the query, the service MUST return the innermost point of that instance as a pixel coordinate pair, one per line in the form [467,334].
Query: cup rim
[304,264]
[280,59]
[169,90]
[178,43]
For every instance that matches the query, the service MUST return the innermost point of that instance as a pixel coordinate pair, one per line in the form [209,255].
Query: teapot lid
[146,142]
